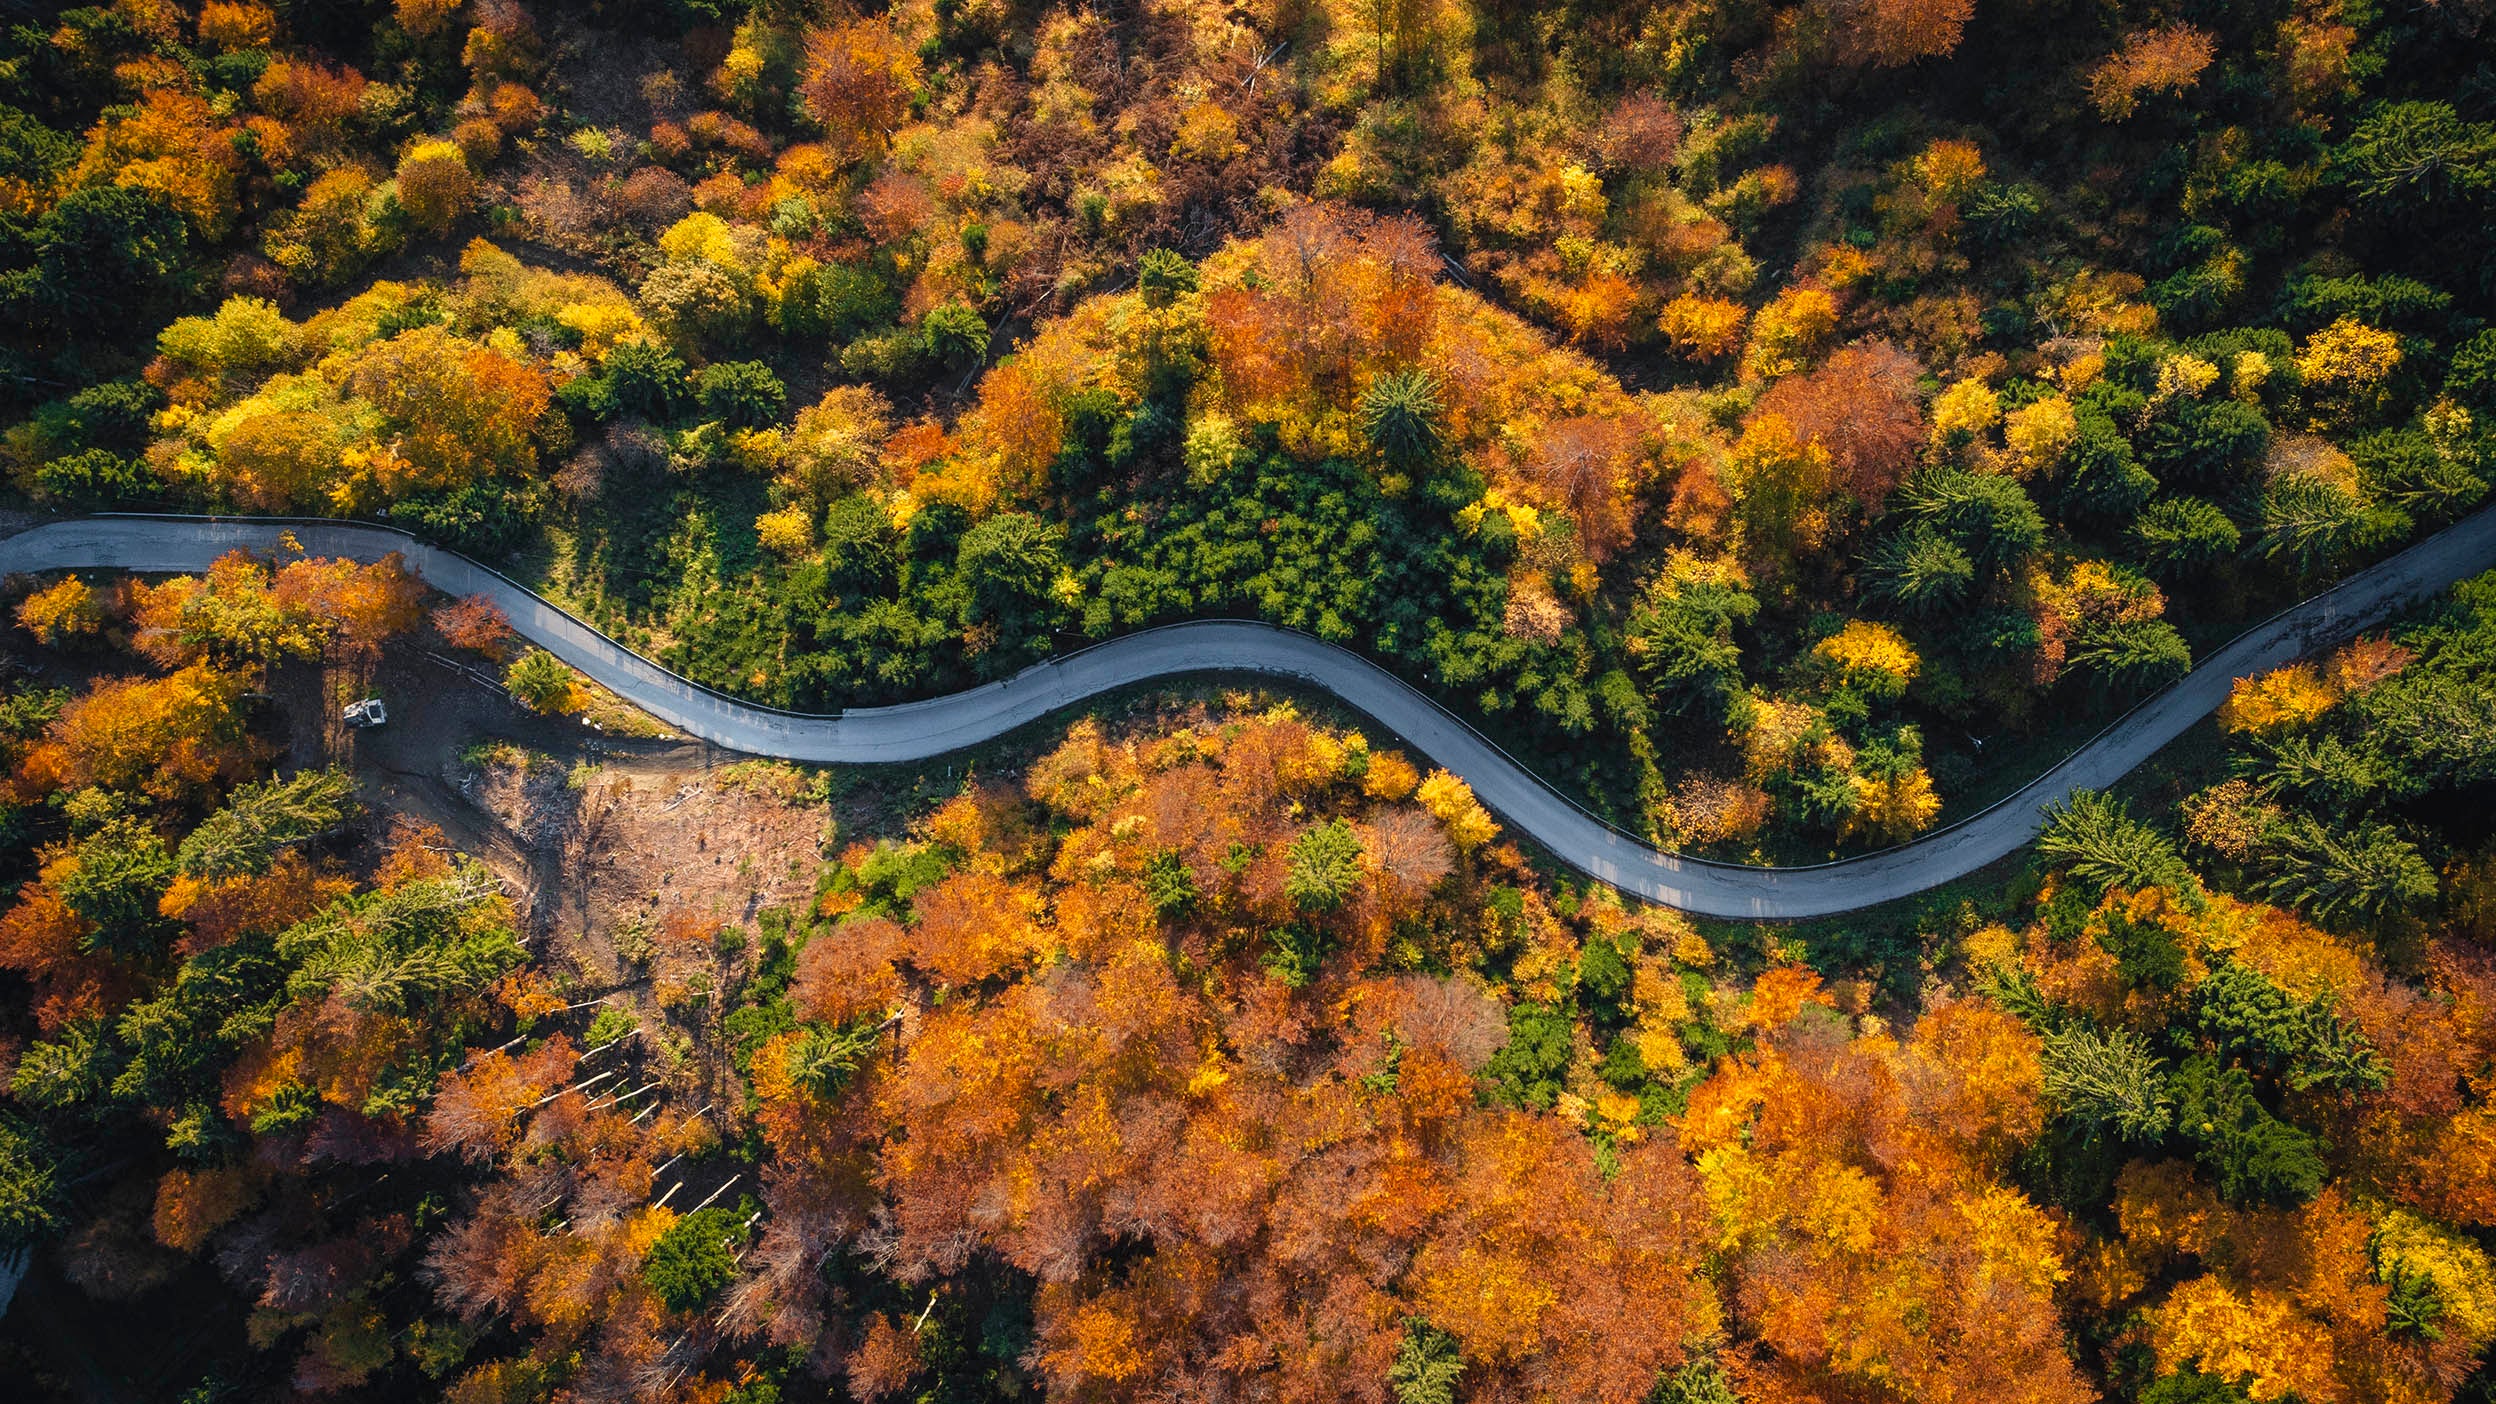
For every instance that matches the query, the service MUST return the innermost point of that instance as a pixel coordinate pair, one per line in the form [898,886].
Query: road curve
[917,730]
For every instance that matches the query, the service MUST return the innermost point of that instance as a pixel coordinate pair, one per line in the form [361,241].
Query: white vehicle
[367,713]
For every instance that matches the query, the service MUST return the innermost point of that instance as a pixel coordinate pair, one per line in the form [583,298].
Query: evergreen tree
[1989,515]
[1428,1364]
[2175,537]
[260,820]
[1682,643]
[2094,837]
[2133,656]
[2366,871]
[1920,572]
[2252,1156]
[1325,866]
[1401,414]
[119,873]
[2304,1042]
[2108,1080]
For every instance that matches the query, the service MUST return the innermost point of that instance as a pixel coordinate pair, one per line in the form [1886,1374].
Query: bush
[740,394]
[640,378]
[540,682]
[954,334]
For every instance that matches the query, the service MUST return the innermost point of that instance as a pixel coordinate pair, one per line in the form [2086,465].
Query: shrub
[740,394]
[540,682]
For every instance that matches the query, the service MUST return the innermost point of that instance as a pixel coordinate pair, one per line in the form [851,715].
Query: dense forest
[1779,424]
[1783,425]
[1240,1057]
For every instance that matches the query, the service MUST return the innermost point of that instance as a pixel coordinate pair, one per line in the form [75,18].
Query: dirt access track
[596,833]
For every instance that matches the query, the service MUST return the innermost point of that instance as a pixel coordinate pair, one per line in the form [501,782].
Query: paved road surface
[917,730]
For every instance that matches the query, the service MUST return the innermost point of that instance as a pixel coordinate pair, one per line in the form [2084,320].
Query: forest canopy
[1782,425]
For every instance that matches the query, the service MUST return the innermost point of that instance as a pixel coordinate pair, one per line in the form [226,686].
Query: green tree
[1163,277]
[75,1068]
[106,256]
[2430,725]
[2252,1156]
[1531,1069]
[403,950]
[2313,525]
[695,1258]
[825,1057]
[641,378]
[612,1023]
[2304,1042]
[2321,769]
[1603,973]
[859,552]
[1681,641]
[1294,952]
[2101,480]
[260,820]
[2134,656]
[1008,567]
[954,334]
[97,480]
[2095,838]
[116,414]
[2471,379]
[2193,1387]
[2175,537]
[2208,444]
[2436,476]
[1696,1382]
[1428,1364]
[2364,872]
[1401,414]
[29,1185]
[1989,515]
[740,394]
[121,872]
[2411,1307]
[2108,1080]
[1170,885]
[2417,158]
[1919,572]
[539,681]
[1325,866]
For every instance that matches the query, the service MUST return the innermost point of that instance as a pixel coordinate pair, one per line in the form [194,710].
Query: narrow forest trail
[918,730]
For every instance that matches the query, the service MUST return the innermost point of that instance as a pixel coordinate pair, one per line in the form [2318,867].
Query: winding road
[917,730]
